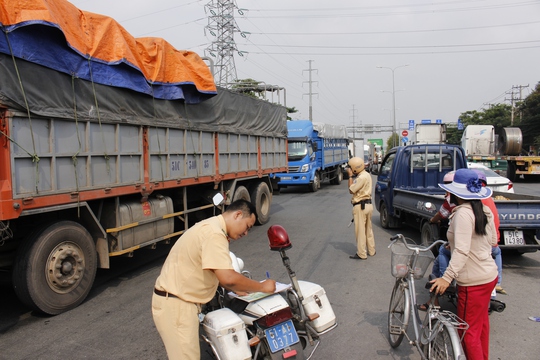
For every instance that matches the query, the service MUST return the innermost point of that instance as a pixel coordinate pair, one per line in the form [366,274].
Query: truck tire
[316,184]
[383,214]
[511,171]
[241,192]
[262,200]
[338,176]
[55,268]
[387,221]
[429,234]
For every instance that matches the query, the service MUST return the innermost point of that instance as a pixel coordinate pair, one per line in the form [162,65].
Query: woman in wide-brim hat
[471,235]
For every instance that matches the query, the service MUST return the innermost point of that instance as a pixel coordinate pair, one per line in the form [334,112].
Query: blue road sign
[404,139]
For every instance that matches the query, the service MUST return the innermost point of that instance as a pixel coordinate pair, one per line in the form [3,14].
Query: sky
[369,60]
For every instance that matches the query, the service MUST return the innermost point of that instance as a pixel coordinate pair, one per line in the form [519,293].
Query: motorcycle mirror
[218,199]
[278,238]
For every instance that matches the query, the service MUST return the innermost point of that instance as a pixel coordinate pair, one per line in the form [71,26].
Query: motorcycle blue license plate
[281,336]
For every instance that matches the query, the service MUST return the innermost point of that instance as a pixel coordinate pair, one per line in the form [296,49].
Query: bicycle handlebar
[414,248]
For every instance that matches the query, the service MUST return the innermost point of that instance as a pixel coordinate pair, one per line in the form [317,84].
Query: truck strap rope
[35,158]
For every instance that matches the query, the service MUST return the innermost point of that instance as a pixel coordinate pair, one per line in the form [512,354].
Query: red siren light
[278,238]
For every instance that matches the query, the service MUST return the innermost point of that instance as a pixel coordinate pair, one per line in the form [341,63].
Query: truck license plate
[514,237]
[281,336]
[285,178]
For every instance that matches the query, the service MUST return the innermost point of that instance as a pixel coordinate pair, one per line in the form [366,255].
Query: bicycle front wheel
[398,313]
[446,344]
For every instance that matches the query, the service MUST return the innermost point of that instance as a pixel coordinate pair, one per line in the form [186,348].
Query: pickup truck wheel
[241,192]
[316,184]
[55,269]
[429,234]
[262,200]
[384,216]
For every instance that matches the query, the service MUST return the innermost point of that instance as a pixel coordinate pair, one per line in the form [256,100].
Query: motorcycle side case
[316,301]
[227,332]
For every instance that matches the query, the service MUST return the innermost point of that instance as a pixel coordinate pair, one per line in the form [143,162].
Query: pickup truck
[407,192]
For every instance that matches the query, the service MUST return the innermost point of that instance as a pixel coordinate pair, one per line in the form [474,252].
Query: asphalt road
[115,321]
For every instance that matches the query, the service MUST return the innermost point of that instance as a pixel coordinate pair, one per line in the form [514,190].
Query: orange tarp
[102,38]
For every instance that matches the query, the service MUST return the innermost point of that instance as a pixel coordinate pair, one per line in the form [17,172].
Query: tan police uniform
[187,281]
[362,211]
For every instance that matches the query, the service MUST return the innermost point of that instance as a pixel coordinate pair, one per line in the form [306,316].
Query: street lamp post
[394,126]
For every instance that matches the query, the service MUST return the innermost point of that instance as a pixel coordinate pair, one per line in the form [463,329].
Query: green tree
[530,123]
[498,115]
[393,140]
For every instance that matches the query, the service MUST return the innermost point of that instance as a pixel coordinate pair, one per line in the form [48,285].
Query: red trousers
[473,304]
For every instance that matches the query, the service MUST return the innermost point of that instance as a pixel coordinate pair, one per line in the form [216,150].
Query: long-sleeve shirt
[471,262]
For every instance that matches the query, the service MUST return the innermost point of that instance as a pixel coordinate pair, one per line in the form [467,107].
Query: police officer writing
[360,188]
[196,265]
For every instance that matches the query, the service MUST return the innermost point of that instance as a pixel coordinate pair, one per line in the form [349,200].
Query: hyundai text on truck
[316,152]
[407,192]
[109,144]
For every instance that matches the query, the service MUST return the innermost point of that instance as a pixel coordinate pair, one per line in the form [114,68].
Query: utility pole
[513,100]
[310,82]
[354,130]
[394,131]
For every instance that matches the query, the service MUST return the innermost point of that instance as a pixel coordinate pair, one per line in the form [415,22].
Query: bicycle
[437,335]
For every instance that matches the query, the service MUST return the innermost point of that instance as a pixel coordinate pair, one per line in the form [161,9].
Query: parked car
[497,165]
[495,181]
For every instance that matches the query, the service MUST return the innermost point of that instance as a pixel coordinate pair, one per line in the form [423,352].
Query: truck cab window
[387,165]
[298,150]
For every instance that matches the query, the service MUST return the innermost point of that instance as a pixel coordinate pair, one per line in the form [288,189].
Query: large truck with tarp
[109,144]
[316,152]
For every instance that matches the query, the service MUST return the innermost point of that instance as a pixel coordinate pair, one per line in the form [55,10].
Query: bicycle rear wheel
[398,313]
[446,345]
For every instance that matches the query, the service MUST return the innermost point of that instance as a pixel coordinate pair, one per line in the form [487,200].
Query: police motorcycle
[268,326]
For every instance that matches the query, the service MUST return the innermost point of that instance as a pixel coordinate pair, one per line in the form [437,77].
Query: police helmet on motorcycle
[356,164]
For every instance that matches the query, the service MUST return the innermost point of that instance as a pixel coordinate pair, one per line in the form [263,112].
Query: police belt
[362,203]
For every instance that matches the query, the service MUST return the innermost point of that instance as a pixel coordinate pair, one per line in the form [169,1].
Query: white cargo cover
[330,131]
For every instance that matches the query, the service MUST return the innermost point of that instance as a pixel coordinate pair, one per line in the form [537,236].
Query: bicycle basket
[402,261]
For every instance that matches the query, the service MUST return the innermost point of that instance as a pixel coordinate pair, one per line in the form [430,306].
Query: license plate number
[285,178]
[514,237]
[281,336]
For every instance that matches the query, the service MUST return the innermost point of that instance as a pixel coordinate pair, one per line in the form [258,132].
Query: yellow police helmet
[356,164]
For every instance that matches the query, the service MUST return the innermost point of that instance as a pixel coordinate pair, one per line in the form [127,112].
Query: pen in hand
[267,275]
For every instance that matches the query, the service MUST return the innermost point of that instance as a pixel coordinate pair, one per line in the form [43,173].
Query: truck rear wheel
[262,200]
[511,171]
[338,176]
[241,192]
[55,269]
[429,234]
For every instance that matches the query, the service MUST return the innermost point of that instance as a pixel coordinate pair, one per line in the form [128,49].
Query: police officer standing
[360,188]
